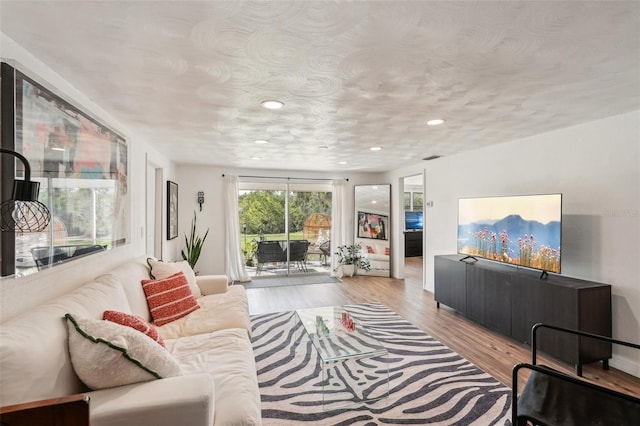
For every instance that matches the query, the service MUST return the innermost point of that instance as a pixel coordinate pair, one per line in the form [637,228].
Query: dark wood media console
[412,243]
[511,300]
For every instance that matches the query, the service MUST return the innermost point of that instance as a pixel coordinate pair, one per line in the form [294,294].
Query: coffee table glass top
[337,335]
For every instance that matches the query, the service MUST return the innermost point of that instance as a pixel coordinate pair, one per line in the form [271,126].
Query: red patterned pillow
[387,251]
[169,298]
[370,250]
[135,323]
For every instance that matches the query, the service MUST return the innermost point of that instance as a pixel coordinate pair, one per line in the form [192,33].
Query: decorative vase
[348,270]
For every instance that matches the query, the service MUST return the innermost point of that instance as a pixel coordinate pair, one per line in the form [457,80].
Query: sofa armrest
[212,284]
[186,400]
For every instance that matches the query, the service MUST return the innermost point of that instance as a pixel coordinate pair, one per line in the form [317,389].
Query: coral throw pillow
[370,250]
[169,298]
[135,323]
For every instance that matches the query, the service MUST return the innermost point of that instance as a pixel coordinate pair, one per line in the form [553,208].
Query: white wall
[596,166]
[19,294]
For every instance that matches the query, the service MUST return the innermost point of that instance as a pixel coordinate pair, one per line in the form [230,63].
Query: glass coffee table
[354,364]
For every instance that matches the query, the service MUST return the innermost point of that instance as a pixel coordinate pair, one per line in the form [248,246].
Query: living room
[594,163]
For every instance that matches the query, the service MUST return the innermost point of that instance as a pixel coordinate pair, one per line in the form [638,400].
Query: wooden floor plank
[490,351]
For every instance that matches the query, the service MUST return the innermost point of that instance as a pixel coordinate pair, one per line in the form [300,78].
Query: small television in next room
[412,221]
[520,230]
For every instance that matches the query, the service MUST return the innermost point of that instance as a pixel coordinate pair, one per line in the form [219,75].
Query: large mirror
[372,208]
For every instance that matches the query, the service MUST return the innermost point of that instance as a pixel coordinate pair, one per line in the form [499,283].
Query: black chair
[45,256]
[298,253]
[269,252]
[552,398]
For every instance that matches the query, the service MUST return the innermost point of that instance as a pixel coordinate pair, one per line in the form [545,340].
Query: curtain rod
[282,177]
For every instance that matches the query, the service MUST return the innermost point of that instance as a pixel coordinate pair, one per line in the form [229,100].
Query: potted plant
[350,259]
[194,244]
[249,252]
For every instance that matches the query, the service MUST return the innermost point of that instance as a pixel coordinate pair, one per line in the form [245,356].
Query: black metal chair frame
[298,253]
[573,382]
[269,252]
[45,256]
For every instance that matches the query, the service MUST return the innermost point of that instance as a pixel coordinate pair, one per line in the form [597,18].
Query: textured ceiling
[189,76]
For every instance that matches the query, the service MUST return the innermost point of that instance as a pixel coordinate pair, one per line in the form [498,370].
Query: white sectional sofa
[216,383]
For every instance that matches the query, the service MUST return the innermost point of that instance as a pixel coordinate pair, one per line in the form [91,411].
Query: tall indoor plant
[350,259]
[194,244]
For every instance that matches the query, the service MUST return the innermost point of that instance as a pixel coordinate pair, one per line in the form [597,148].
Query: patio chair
[45,256]
[325,248]
[298,253]
[269,252]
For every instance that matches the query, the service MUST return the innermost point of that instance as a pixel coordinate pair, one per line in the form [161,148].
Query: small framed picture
[172,210]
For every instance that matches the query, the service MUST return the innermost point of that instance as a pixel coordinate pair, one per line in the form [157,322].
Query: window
[82,169]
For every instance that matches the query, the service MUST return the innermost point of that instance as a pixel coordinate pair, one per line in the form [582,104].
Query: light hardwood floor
[490,351]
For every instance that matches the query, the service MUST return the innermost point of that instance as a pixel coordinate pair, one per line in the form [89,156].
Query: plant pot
[348,270]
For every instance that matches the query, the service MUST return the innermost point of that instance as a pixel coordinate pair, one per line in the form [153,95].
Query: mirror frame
[376,205]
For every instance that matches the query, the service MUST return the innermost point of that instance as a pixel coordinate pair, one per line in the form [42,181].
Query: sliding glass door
[285,227]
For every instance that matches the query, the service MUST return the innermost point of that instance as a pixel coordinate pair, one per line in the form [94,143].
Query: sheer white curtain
[339,218]
[235,262]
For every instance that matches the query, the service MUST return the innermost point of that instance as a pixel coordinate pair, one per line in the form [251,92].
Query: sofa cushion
[129,275]
[182,400]
[105,354]
[169,298]
[34,356]
[228,356]
[381,249]
[379,257]
[218,311]
[161,270]
[134,322]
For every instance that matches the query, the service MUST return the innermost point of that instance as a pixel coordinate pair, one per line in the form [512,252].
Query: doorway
[153,209]
[413,211]
[285,228]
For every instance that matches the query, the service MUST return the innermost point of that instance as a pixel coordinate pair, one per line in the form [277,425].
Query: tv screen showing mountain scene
[519,230]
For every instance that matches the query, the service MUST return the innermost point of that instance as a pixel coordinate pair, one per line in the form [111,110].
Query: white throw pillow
[105,354]
[161,270]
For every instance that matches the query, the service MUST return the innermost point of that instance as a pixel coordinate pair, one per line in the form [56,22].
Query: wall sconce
[200,198]
[23,212]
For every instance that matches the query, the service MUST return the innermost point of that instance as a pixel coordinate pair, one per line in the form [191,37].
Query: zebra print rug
[428,382]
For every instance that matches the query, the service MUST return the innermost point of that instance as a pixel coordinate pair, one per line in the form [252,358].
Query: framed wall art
[372,225]
[81,165]
[172,210]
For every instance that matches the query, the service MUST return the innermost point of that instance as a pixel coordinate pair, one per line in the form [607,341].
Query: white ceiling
[189,76]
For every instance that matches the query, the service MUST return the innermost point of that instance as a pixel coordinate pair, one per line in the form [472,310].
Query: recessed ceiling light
[375,148]
[343,162]
[57,149]
[435,122]
[261,141]
[272,104]
[255,158]
[374,202]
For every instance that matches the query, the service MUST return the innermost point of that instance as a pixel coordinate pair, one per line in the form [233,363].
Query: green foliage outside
[263,211]
[262,216]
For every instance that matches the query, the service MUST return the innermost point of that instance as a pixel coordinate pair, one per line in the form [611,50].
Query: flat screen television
[412,221]
[520,230]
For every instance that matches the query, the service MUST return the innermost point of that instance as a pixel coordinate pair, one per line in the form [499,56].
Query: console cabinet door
[450,283]
[489,298]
